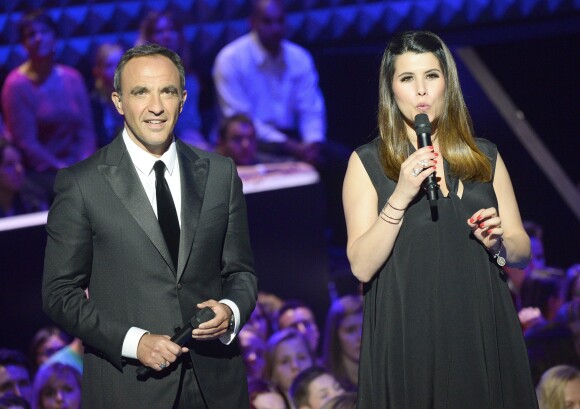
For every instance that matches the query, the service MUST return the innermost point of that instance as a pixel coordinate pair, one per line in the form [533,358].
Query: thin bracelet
[390,217]
[401,210]
[386,220]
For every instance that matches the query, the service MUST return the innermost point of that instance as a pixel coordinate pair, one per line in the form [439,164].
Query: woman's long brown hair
[454,127]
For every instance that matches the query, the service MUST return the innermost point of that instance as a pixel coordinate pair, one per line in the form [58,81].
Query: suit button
[179,286]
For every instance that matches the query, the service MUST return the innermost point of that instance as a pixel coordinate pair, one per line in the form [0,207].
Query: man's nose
[155,104]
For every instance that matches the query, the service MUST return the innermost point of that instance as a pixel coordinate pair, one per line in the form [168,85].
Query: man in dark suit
[112,276]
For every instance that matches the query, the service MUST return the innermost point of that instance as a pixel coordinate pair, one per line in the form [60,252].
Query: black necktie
[166,213]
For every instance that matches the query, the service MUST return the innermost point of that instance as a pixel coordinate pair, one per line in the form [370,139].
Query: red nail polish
[434,161]
[470,220]
[481,225]
[490,231]
[478,218]
[435,153]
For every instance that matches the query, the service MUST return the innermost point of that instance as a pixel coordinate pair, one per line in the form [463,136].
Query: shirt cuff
[131,342]
[228,337]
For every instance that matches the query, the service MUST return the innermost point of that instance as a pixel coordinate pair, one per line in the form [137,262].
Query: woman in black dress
[440,329]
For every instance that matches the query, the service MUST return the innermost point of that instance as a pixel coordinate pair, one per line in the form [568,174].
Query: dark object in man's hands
[181,338]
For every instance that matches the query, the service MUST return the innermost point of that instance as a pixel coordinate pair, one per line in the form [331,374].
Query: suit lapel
[120,172]
[193,172]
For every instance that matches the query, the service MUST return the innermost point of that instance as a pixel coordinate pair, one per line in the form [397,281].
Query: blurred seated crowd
[291,362]
[266,105]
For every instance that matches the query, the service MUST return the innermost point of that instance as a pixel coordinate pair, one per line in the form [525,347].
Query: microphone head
[422,124]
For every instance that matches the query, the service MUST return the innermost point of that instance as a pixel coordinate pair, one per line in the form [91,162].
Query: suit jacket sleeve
[67,272]
[239,283]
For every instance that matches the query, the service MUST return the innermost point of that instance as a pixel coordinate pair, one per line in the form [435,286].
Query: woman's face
[572,394]
[418,87]
[349,334]
[53,344]
[39,40]
[61,393]
[253,348]
[269,400]
[323,389]
[290,357]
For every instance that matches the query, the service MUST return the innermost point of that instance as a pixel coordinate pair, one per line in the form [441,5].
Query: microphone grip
[424,139]
[184,335]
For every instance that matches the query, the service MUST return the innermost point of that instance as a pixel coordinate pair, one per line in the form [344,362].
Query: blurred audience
[13,402]
[57,386]
[264,395]
[108,122]
[253,348]
[342,339]
[15,376]
[548,341]
[313,387]
[17,194]
[275,82]
[45,342]
[569,312]
[71,355]
[46,104]
[287,354]
[345,401]
[559,388]
[165,29]
[297,314]
[237,140]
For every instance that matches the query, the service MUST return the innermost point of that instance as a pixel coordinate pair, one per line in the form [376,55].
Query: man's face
[240,143]
[151,101]
[303,320]
[270,25]
[15,380]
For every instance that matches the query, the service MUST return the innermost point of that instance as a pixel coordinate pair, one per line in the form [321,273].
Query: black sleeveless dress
[440,330]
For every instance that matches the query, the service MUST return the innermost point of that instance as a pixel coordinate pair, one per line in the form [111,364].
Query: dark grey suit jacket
[103,234]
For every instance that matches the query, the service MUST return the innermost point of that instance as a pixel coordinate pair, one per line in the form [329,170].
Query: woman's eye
[406,79]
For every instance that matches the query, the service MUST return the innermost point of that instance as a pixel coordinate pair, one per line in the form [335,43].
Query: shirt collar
[144,161]
[259,53]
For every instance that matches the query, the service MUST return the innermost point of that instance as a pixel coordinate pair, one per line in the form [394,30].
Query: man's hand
[158,352]
[217,326]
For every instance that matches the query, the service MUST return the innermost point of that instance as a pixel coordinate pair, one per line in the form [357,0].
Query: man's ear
[116,98]
[183,98]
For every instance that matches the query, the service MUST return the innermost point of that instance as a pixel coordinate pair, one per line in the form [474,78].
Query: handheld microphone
[423,130]
[203,315]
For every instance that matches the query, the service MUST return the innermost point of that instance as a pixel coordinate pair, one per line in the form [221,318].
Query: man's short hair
[227,122]
[289,305]
[148,50]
